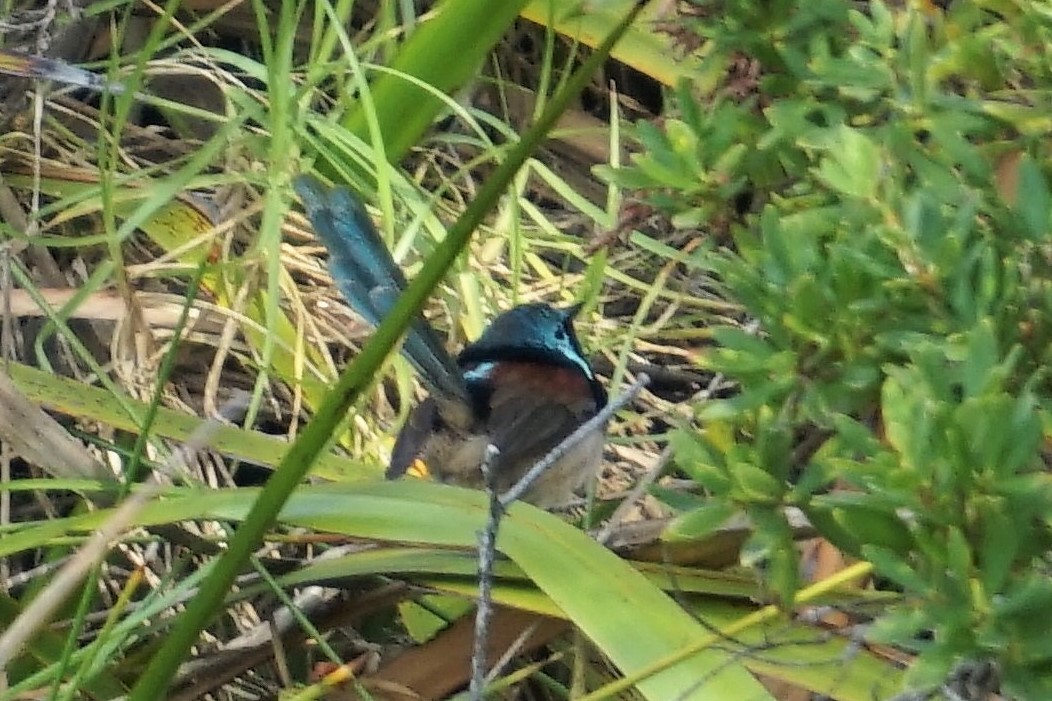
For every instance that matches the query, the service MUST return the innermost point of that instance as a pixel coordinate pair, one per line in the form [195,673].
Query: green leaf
[755,483]
[983,356]
[741,363]
[823,519]
[1033,593]
[773,540]
[958,554]
[898,626]
[700,459]
[889,564]
[735,339]
[1024,447]
[1033,201]
[681,138]
[747,401]
[874,527]
[699,523]
[906,424]
[852,165]
[1000,542]
[431,615]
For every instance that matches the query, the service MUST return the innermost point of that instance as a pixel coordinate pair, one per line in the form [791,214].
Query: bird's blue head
[536,333]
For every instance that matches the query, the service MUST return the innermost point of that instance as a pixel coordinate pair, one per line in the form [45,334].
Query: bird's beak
[571,311]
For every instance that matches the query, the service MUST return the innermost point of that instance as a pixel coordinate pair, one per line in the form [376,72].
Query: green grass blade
[462,32]
[73,398]
[604,596]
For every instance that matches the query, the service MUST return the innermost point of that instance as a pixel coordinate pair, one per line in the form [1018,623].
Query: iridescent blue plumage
[533,333]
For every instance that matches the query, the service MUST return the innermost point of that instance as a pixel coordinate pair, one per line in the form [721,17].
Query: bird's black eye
[560,334]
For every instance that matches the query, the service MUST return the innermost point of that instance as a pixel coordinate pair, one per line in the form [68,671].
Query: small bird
[523,386]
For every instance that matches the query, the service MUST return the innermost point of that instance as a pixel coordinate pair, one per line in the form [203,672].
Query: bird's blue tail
[370,279]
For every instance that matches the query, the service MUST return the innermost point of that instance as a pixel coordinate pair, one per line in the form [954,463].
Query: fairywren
[523,386]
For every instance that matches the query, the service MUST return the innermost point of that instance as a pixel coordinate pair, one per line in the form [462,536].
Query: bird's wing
[525,423]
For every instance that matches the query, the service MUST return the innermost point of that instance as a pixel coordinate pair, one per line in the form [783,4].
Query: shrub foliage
[894,258]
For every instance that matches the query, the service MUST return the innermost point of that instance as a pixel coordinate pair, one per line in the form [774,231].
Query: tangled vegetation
[822,229]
